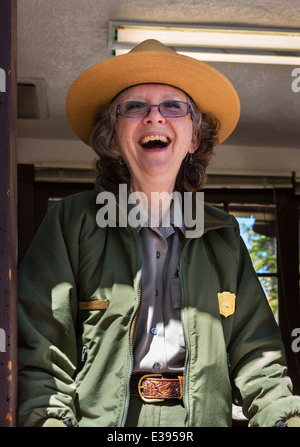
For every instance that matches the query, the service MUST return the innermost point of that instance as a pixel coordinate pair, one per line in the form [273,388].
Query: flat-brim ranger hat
[151,62]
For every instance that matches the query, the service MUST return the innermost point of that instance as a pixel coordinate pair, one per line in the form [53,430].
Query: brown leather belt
[156,388]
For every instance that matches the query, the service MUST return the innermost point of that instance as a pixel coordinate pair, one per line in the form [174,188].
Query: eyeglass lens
[170,108]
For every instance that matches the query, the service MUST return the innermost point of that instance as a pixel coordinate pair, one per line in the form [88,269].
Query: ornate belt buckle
[140,387]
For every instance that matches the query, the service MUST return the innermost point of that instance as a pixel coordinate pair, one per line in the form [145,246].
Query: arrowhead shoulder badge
[226,303]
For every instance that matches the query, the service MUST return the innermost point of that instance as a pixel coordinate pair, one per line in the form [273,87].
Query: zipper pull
[84,353]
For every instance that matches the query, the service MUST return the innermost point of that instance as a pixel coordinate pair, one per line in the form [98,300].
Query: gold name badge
[226,303]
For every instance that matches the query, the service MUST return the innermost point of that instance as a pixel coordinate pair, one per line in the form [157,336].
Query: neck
[155,197]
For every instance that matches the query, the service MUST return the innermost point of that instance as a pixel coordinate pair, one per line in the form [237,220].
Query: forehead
[144,91]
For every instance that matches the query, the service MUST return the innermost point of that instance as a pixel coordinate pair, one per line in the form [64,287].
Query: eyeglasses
[140,109]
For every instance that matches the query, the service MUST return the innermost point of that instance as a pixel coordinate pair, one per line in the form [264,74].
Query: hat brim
[96,87]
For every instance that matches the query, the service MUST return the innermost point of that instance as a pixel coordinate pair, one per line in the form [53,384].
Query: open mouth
[154,142]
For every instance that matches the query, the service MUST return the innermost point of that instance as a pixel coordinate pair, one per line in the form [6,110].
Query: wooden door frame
[8,214]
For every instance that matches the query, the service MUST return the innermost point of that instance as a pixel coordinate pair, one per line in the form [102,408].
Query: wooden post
[8,214]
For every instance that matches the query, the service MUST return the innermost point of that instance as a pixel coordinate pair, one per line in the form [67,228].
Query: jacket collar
[211,222]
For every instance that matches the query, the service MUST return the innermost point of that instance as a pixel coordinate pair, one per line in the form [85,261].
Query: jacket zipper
[131,330]
[185,338]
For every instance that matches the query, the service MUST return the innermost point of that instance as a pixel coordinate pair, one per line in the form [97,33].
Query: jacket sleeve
[257,357]
[47,312]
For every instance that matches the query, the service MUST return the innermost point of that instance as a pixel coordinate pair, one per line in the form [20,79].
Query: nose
[154,115]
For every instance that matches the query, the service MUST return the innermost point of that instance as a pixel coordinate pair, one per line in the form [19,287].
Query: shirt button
[153,330]
[156,292]
[157,255]
[156,366]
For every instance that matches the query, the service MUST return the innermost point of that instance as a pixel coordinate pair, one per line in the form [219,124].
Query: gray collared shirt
[159,343]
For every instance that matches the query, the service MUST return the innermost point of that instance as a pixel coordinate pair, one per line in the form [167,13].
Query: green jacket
[77,363]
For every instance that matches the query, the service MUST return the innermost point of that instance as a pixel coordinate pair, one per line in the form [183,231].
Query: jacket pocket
[89,316]
[93,305]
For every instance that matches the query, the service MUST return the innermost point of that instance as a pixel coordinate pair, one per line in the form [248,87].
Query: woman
[124,322]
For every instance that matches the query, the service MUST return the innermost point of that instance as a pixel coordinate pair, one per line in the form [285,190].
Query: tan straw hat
[151,62]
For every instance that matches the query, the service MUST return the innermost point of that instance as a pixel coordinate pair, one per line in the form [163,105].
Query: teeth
[162,138]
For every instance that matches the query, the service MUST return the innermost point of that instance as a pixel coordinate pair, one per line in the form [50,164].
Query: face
[161,159]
